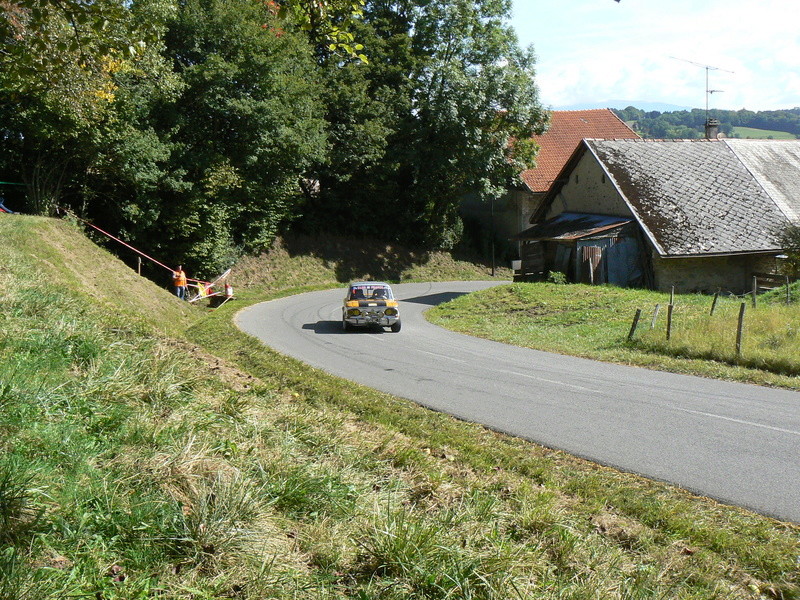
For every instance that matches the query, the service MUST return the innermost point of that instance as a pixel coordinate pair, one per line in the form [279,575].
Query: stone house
[512,213]
[700,215]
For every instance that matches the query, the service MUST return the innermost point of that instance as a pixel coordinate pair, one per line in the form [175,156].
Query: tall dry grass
[769,338]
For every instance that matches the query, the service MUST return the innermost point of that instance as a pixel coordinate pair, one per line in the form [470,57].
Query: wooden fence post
[788,293]
[755,290]
[655,316]
[669,321]
[139,270]
[714,303]
[635,323]
[739,330]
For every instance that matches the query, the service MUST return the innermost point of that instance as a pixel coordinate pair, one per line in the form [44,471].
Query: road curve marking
[553,381]
[436,354]
[740,421]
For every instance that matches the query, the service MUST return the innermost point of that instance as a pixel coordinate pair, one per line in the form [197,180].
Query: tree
[244,129]
[430,118]
[58,74]
[58,65]
[191,145]
[326,21]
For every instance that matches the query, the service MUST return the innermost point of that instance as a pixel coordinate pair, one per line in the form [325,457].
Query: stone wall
[589,190]
[726,273]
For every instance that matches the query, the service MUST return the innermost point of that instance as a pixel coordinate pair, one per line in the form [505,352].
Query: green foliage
[190,147]
[328,24]
[58,83]
[557,277]
[198,130]
[43,38]
[243,130]
[429,119]
[790,241]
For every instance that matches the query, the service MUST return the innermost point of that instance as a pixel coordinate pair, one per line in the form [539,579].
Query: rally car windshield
[370,292]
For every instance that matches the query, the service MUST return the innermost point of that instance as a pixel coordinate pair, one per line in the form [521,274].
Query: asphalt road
[737,443]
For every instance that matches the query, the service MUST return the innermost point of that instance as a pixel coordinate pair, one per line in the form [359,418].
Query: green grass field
[762,134]
[149,449]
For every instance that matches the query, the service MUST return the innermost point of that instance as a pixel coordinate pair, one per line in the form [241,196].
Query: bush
[790,240]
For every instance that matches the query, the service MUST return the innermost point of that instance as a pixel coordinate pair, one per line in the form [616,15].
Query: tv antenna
[708,68]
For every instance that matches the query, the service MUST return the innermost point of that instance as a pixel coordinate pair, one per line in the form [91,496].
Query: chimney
[712,129]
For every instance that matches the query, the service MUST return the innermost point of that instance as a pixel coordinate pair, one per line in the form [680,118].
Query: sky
[592,51]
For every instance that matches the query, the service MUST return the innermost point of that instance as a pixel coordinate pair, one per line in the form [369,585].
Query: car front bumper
[367,320]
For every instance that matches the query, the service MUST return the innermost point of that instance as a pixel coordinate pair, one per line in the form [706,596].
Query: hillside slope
[66,257]
[135,464]
[327,260]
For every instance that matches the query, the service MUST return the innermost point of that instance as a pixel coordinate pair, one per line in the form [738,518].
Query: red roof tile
[567,129]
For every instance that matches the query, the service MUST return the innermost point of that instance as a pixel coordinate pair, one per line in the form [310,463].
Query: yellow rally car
[370,303]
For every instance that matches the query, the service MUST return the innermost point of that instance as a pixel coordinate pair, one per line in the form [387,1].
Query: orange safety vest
[179,277]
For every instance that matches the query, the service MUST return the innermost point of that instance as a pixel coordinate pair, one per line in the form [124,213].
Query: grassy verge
[136,465]
[595,321]
[556,526]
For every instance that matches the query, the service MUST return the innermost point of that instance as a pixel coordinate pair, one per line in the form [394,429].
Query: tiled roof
[776,166]
[567,129]
[692,197]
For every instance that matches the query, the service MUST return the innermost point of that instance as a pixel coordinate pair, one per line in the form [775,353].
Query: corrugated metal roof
[572,226]
[567,128]
[692,197]
[776,166]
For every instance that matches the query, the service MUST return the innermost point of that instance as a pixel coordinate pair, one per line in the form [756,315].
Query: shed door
[592,260]
[623,263]
[590,267]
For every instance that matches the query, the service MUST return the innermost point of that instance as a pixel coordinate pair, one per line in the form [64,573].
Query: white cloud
[595,50]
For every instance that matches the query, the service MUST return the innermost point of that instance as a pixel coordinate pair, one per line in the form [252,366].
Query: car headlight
[353,312]
[390,312]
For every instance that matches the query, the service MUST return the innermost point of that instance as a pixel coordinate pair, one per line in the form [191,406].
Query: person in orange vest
[179,281]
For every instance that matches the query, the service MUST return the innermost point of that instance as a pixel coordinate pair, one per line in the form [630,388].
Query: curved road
[737,443]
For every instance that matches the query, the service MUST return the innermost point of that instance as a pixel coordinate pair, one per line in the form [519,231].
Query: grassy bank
[153,450]
[595,321]
[329,260]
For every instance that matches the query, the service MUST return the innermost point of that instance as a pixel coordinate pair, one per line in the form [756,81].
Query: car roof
[372,283]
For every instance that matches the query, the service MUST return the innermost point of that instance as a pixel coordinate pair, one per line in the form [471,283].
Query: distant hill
[621,104]
[690,124]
